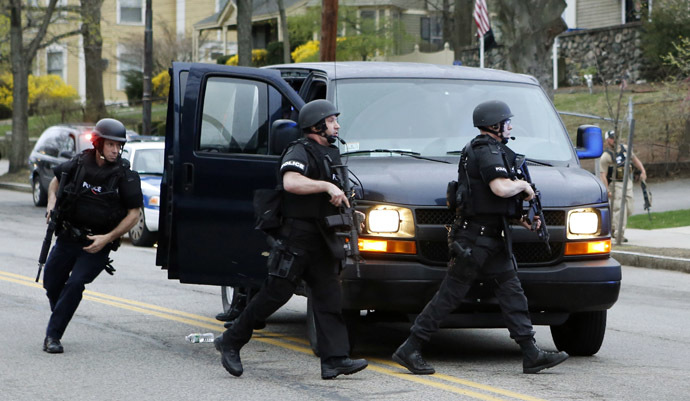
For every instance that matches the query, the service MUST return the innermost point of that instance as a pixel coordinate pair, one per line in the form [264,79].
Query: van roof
[373,69]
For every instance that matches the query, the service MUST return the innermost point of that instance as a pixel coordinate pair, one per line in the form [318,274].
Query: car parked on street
[56,145]
[404,126]
[145,155]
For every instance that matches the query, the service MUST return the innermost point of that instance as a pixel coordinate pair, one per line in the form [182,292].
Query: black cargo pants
[320,271]
[490,259]
[68,269]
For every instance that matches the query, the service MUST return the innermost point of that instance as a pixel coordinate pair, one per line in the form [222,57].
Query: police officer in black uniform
[489,196]
[100,202]
[305,248]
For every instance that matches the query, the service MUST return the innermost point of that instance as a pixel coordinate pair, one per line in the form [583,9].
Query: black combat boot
[409,355]
[535,360]
[229,357]
[52,345]
[334,367]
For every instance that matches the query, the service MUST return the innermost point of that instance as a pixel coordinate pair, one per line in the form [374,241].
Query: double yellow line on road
[439,381]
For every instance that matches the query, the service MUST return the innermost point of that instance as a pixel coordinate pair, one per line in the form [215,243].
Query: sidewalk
[667,248]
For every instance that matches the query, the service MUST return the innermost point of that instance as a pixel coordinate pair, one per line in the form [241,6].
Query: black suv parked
[404,125]
[56,145]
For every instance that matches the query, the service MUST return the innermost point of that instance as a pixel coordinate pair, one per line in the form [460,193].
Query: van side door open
[218,129]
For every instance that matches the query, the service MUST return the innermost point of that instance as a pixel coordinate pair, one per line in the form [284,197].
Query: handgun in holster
[281,260]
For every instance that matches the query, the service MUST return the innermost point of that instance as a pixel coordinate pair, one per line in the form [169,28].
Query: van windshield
[434,116]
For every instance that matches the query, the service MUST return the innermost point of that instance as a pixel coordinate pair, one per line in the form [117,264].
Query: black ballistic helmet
[112,129]
[490,113]
[314,112]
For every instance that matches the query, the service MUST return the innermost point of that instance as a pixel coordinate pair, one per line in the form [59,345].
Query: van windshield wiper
[539,162]
[409,153]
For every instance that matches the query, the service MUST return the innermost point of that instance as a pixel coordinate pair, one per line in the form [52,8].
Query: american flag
[481,17]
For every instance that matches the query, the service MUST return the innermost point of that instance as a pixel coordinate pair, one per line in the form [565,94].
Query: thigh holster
[284,261]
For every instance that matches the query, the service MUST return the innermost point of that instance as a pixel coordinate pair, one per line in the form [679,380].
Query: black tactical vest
[616,173]
[478,198]
[313,206]
[97,208]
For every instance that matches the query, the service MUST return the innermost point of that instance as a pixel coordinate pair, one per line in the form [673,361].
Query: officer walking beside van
[100,203]
[304,247]
[488,196]
[611,172]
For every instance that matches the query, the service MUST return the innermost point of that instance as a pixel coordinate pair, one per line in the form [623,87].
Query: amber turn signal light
[387,246]
[588,247]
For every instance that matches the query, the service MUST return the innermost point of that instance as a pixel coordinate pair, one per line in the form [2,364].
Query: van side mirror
[590,143]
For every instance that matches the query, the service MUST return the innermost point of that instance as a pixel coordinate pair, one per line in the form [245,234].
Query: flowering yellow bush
[161,84]
[44,91]
[258,58]
[306,52]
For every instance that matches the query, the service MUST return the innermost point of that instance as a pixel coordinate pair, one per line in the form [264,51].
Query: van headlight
[384,221]
[390,221]
[584,223]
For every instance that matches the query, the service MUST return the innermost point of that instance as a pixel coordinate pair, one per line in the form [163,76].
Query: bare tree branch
[30,51]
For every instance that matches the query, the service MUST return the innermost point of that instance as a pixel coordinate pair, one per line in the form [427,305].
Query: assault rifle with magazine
[534,208]
[55,221]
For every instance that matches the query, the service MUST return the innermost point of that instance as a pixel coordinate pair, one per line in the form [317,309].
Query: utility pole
[329,29]
[148,70]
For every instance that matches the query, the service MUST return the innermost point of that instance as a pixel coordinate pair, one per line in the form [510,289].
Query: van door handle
[188,176]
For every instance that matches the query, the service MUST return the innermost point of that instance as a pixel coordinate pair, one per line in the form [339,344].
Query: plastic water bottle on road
[200,338]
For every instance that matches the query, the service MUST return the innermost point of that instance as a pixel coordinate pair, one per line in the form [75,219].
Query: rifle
[55,221]
[535,208]
[348,218]
[647,198]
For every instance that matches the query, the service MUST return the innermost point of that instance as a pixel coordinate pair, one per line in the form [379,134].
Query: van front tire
[582,334]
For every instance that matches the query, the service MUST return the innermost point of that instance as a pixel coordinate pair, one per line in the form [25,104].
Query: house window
[368,14]
[432,29]
[131,12]
[127,62]
[634,10]
[55,64]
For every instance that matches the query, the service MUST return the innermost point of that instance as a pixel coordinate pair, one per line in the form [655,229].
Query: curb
[16,187]
[652,261]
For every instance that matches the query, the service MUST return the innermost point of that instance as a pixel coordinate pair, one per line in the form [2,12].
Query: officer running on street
[305,248]
[488,195]
[100,203]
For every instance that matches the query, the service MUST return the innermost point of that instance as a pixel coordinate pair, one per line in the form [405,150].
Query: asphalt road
[127,342]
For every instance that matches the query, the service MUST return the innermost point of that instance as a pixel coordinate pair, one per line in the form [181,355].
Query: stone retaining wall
[610,53]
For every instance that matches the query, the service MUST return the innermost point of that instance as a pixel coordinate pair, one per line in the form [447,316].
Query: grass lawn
[674,218]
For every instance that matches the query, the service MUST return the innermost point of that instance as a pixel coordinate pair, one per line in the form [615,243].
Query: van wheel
[39,194]
[140,235]
[582,334]
[227,296]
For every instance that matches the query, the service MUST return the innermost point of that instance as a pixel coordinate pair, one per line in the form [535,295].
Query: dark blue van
[404,125]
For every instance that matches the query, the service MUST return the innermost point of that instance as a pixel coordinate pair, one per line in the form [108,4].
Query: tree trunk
[93,59]
[462,29]
[329,29]
[446,24]
[244,33]
[527,34]
[20,91]
[284,32]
